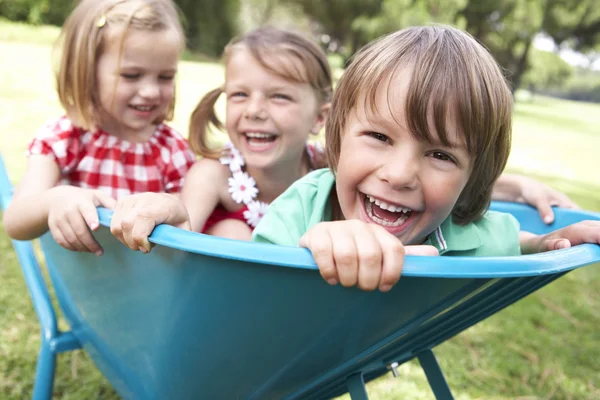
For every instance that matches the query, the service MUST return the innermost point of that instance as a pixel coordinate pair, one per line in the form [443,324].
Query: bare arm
[519,188]
[202,190]
[27,215]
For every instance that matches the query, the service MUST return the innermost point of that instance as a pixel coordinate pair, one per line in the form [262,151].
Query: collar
[453,237]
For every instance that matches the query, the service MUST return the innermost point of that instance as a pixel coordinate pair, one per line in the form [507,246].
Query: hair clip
[101,21]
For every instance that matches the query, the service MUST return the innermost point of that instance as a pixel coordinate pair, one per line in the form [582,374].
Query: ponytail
[203,116]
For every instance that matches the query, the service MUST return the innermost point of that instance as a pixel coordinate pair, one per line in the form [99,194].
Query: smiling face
[386,176]
[269,117]
[136,82]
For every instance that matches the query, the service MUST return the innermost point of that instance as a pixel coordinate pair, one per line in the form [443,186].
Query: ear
[321,118]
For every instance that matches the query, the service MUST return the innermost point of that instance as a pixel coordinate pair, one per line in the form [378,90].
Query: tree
[336,18]
[546,71]
[209,25]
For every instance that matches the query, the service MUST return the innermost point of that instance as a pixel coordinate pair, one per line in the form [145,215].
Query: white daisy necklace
[242,186]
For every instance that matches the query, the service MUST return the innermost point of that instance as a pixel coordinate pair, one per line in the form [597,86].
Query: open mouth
[260,139]
[388,215]
[142,108]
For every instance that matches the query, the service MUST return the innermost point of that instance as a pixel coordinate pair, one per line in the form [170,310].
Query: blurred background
[547,46]
[547,346]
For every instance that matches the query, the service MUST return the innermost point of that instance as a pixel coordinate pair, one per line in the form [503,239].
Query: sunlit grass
[546,346]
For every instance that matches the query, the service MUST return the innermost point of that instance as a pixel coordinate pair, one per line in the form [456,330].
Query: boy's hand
[572,235]
[542,197]
[72,216]
[136,216]
[355,253]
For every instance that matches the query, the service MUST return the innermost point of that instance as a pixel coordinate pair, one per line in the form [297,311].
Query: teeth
[143,108]
[258,135]
[383,222]
[385,206]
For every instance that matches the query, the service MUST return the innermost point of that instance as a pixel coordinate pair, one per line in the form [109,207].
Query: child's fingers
[70,233]
[582,232]
[318,241]
[59,237]
[345,255]
[101,199]
[89,214]
[421,250]
[80,227]
[393,260]
[370,259]
[142,229]
[545,211]
[557,244]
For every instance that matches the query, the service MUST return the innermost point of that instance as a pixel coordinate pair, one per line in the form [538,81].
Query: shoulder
[313,181]
[208,168]
[494,222]
[302,205]
[57,128]
[57,137]
[310,192]
[499,234]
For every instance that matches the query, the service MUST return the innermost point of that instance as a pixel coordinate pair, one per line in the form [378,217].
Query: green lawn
[546,346]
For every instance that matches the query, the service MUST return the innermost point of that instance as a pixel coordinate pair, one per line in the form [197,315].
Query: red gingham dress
[98,160]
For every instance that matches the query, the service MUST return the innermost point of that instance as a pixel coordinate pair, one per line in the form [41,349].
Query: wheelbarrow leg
[356,387]
[435,376]
[44,374]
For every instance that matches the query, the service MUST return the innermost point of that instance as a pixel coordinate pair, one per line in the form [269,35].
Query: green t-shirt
[306,203]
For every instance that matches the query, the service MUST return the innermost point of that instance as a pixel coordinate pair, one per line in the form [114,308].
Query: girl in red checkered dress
[277,89]
[116,83]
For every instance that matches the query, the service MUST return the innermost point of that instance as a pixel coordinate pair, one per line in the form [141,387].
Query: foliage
[36,12]
[209,25]
[547,71]
[584,85]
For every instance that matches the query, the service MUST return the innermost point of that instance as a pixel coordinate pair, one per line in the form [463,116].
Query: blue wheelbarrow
[206,317]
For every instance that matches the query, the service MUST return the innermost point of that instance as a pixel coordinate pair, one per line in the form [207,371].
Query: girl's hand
[572,235]
[355,253]
[136,216]
[529,191]
[72,217]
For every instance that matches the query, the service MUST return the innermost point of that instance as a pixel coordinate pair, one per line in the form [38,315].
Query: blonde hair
[83,38]
[266,45]
[453,76]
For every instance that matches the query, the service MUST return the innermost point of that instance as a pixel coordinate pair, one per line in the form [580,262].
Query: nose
[256,108]
[150,90]
[400,169]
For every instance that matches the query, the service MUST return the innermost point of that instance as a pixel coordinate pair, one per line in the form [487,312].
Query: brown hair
[453,76]
[266,45]
[83,39]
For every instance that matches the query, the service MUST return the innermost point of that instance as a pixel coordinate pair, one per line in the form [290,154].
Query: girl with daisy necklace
[277,87]
[116,84]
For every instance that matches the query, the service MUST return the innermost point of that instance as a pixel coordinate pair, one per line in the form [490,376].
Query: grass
[544,347]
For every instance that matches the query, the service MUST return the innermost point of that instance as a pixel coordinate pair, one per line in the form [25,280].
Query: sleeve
[55,139]
[180,161]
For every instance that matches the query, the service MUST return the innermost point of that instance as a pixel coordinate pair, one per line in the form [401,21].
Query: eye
[440,155]
[281,96]
[166,77]
[130,76]
[237,94]
[379,136]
